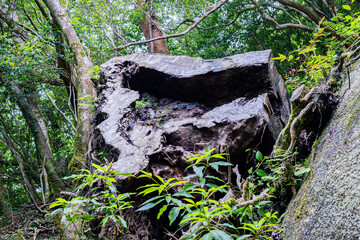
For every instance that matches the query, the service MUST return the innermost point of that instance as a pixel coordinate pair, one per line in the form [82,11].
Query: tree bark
[152,31]
[83,84]
[41,140]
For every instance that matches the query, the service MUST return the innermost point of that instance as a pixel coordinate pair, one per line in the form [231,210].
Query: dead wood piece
[253,201]
[295,128]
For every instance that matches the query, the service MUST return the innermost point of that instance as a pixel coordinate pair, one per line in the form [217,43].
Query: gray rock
[155,110]
[327,205]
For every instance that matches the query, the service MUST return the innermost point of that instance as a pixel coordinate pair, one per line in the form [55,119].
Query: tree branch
[300,7]
[280,26]
[191,27]
[61,112]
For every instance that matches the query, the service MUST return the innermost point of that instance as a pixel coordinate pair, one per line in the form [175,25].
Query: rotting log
[188,104]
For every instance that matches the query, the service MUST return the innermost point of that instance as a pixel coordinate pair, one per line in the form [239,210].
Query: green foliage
[258,229]
[329,42]
[196,206]
[104,201]
[145,101]
[95,72]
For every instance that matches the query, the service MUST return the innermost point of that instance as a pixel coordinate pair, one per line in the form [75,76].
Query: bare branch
[302,8]
[212,9]
[253,201]
[182,23]
[276,24]
[58,109]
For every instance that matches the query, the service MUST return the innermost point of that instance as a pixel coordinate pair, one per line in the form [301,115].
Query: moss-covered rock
[328,204]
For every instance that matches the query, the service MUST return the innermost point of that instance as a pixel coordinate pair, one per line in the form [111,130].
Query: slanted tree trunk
[64,66]
[43,149]
[151,29]
[83,84]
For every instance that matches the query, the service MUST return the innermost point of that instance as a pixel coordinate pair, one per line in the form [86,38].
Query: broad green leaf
[246,236]
[124,174]
[216,178]
[199,171]
[207,236]
[219,156]
[149,206]
[202,182]
[152,199]
[87,217]
[302,171]
[259,156]
[104,221]
[220,235]
[58,202]
[346,7]
[261,173]
[173,214]
[148,191]
[100,169]
[183,194]
[160,178]
[122,221]
[148,185]
[215,165]
[178,183]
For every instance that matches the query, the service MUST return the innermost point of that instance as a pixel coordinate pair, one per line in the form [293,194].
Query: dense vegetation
[49,56]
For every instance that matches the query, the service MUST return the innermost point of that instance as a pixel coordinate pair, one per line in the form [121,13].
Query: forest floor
[27,223]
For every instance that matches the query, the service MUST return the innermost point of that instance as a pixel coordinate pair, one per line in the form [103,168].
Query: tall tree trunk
[152,30]
[84,85]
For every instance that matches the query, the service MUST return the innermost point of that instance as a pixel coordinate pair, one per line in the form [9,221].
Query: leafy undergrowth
[200,206]
[27,223]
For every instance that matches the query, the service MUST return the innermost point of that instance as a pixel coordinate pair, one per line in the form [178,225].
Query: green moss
[296,107]
[246,191]
[76,163]
[78,160]
[302,200]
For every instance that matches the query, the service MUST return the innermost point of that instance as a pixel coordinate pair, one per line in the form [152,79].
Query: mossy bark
[296,105]
[84,86]
[309,110]
[43,150]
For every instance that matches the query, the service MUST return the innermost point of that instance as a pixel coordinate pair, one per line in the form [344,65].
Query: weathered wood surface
[238,101]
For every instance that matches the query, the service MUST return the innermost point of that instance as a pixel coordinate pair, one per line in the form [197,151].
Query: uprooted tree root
[310,111]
